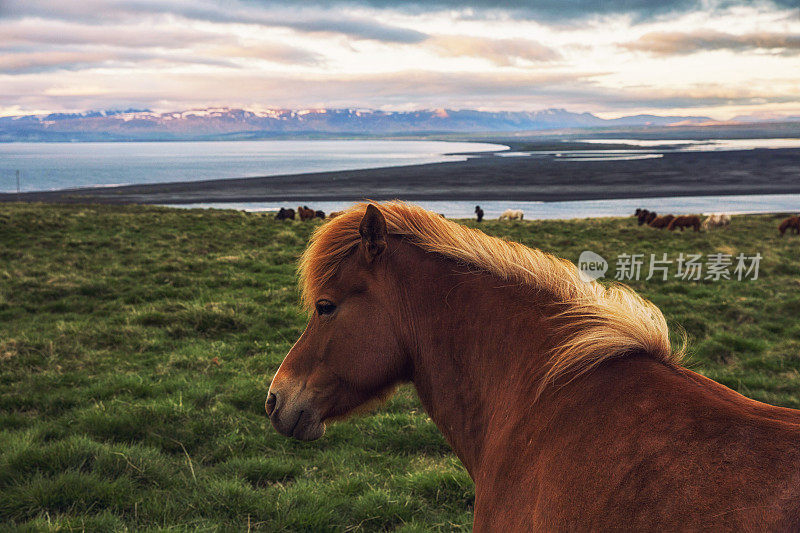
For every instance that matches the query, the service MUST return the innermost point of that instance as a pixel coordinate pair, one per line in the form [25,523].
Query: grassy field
[137,345]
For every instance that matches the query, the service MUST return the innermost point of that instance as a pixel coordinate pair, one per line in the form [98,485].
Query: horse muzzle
[293,417]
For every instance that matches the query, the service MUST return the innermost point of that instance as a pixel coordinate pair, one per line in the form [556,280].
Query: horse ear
[373,232]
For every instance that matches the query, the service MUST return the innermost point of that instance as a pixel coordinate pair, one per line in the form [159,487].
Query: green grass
[137,345]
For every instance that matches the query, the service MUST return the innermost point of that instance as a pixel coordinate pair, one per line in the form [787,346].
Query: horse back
[640,445]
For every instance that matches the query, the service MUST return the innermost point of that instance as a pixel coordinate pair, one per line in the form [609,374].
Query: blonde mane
[599,323]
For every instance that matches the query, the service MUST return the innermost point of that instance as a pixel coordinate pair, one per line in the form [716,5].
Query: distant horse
[716,220]
[512,214]
[685,221]
[479,213]
[306,213]
[563,399]
[334,214]
[661,222]
[791,222]
[644,216]
[285,214]
[320,214]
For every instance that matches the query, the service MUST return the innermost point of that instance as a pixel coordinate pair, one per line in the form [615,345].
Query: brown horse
[685,221]
[644,216]
[306,213]
[791,222]
[563,399]
[661,222]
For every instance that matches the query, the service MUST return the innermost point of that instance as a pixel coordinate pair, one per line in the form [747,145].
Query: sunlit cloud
[275,52]
[502,52]
[714,58]
[675,43]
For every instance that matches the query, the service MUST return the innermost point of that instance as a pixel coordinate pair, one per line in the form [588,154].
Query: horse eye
[325,307]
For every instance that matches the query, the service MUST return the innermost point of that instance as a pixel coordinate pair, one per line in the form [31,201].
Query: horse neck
[477,344]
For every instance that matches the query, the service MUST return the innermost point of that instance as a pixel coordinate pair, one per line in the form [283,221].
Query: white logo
[592,266]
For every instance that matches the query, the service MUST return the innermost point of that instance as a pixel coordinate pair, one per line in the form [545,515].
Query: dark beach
[482,177]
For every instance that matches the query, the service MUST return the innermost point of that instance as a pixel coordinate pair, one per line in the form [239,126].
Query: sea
[53,166]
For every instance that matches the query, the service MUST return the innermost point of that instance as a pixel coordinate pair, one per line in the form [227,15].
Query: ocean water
[654,149]
[51,166]
[739,204]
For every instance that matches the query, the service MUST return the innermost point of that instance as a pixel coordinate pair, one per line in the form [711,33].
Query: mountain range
[229,123]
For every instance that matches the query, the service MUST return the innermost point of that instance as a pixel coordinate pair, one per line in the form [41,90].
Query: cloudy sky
[719,58]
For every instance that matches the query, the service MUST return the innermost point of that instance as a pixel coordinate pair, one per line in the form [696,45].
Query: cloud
[299,19]
[502,52]
[556,10]
[682,43]
[170,91]
[353,19]
[133,36]
[303,20]
[22,41]
[690,97]
[275,52]
[411,89]
[37,61]
[24,62]
[355,27]
[173,54]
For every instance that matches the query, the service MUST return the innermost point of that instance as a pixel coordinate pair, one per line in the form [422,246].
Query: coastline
[480,178]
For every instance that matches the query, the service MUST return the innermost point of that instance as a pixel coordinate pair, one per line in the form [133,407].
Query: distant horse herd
[644,217]
[715,220]
[303,211]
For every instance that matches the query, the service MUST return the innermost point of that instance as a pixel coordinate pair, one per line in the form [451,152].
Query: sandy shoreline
[484,178]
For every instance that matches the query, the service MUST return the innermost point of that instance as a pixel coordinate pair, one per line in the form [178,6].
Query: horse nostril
[270,405]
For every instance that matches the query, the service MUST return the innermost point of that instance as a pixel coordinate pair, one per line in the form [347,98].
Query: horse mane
[598,323]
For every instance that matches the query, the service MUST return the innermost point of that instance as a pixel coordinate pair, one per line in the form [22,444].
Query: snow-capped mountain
[227,123]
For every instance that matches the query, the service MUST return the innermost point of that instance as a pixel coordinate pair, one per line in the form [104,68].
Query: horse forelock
[597,323]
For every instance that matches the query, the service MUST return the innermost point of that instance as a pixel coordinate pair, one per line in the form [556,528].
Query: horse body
[562,399]
[306,213]
[285,214]
[644,216]
[512,214]
[791,222]
[661,222]
[639,446]
[716,220]
[685,221]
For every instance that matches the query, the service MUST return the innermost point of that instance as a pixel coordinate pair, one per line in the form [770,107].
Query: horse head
[349,353]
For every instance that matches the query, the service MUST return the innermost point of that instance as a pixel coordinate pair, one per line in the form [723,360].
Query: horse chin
[305,425]
[309,432]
